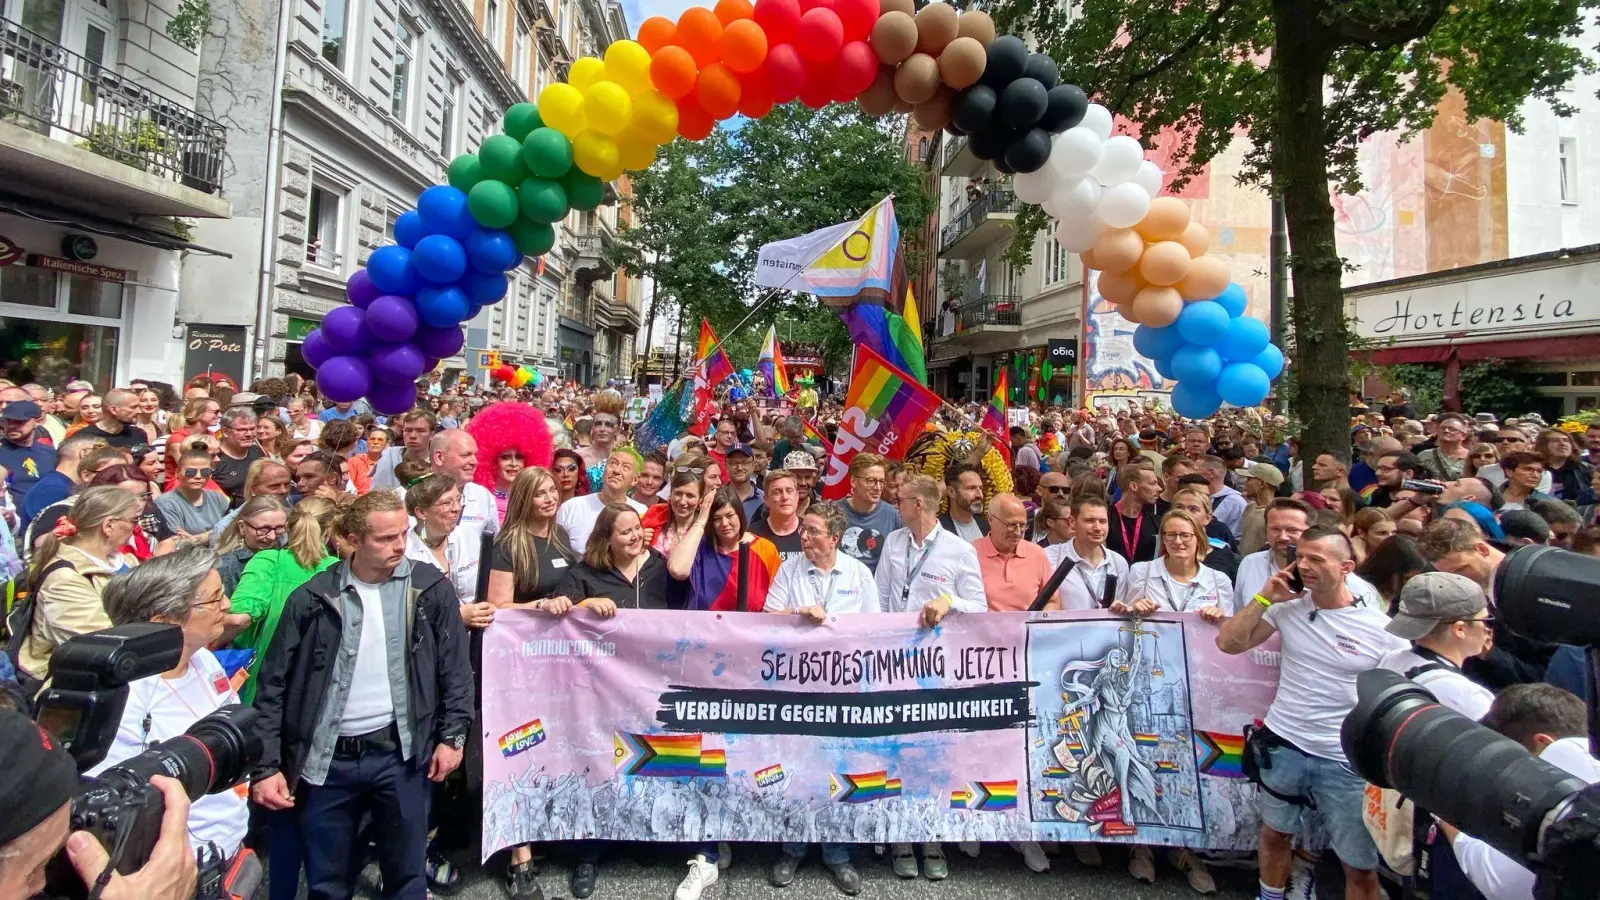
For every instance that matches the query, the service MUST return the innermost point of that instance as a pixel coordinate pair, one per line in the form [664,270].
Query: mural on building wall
[1113,371]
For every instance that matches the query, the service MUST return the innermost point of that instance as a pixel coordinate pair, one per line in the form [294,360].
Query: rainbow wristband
[1265,603]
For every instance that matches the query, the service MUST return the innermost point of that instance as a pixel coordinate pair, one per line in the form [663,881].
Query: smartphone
[1295,581]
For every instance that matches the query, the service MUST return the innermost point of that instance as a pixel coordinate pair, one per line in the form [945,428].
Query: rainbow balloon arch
[949,70]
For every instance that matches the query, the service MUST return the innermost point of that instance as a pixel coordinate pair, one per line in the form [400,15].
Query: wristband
[1265,603]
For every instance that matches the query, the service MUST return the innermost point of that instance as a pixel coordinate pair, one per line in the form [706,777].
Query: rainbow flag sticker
[668,756]
[1145,739]
[862,788]
[1166,765]
[960,799]
[1056,771]
[522,738]
[1221,754]
[994,796]
[771,775]
[1051,795]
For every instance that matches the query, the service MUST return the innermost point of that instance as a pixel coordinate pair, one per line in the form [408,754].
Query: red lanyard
[1138,524]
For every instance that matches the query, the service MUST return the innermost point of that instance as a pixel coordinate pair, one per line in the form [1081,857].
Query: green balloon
[521,118]
[465,171]
[501,156]
[584,191]
[547,153]
[543,200]
[492,203]
[533,238]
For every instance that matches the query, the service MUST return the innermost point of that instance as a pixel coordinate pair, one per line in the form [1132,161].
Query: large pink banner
[680,726]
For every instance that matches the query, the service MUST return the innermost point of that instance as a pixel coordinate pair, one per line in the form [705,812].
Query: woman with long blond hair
[260,525]
[532,553]
[274,573]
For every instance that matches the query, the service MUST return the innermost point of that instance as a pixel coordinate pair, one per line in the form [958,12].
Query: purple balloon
[315,349]
[341,327]
[360,290]
[392,399]
[396,363]
[439,343]
[392,319]
[343,379]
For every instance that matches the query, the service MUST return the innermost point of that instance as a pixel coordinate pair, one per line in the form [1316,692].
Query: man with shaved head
[1013,569]
[116,426]
[454,454]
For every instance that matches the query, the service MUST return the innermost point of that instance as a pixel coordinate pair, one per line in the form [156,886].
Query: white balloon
[1075,152]
[1120,159]
[1077,199]
[1035,186]
[1098,120]
[1148,177]
[1078,235]
[1123,205]
[1051,204]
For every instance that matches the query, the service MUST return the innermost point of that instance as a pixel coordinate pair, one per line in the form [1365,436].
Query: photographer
[37,782]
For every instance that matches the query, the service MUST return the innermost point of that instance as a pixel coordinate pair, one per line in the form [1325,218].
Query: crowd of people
[336,570]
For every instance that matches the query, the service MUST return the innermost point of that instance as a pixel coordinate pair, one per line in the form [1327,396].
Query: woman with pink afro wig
[511,436]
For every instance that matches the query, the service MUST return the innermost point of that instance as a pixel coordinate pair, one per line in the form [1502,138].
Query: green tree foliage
[704,209]
[1305,81]
[1503,387]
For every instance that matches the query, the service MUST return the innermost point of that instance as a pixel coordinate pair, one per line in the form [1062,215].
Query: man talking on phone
[1287,519]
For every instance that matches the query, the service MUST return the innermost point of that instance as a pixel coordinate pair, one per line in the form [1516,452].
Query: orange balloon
[1154,306]
[1120,287]
[1166,220]
[1196,239]
[1207,277]
[1118,249]
[657,32]
[672,71]
[1164,263]
[730,11]
[1089,260]
[744,45]
[699,32]
[717,90]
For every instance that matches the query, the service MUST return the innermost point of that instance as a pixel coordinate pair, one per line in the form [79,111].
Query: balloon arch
[948,70]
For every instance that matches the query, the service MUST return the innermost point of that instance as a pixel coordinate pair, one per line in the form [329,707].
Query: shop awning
[51,214]
[1478,351]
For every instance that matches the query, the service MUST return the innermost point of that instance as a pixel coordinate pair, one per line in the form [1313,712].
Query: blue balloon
[1270,361]
[1196,364]
[1195,400]
[1243,384]
[1156,342]
[1233,300]
[439,258]
[441,307]
[390,270]
[1164,368]
[483,288]
[408,229]
[1243,340]
[444,211]
[492,251]
[1203,322]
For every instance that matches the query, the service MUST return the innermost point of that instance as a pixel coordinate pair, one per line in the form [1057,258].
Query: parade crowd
[330,568]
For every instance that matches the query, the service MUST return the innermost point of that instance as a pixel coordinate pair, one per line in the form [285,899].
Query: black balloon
[974,108]
[951,129]
[1042,69]
[1023,102]
[990,143]
[1029,152]
[1005,167]
[1065,108]
[1007,56]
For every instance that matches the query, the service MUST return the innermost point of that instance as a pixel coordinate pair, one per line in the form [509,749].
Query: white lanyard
[912,571]
[824,596]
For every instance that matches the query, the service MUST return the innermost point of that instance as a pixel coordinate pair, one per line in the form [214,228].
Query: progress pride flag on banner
[885,410]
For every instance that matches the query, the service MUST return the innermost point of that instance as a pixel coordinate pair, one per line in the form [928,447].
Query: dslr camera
[83,707]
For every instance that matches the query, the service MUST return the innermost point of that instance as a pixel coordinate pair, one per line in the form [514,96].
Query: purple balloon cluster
[408,305]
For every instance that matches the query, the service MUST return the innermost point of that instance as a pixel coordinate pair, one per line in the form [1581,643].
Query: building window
[1569,170]
[56,326]
[1055,258]
[522,56]
[448,109]
[322,227]
[564,20]
[405,51]
[491,24]
[388,225]
[333,32]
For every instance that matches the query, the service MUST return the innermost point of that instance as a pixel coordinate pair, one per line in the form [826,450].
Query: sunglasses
[1060,489]
[198,473]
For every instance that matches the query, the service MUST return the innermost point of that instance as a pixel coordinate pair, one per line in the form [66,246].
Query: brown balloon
[975,24]
[936,27]
[894,37]
[917,79]
[935,114]
[902,107]
[961,63]
[879,99]
[906,6]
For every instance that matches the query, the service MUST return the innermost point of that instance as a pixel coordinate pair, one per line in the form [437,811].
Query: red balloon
[855,69]
[779,19]
[809,5]
[819,88]
[785,71]
[694,123]
[717,90]
[858,17]
[755,95]
[820,36]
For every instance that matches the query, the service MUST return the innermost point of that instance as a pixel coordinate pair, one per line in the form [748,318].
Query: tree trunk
[1300,175]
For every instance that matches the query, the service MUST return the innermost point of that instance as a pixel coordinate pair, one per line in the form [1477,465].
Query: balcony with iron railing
[985,220]
[989,311]
[63,115]
[958,160]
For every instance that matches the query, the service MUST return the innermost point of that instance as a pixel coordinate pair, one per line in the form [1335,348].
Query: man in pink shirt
[1013,569]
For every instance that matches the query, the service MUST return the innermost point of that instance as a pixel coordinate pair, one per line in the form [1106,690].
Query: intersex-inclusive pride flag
[770,365]
[863,788]
[668,756]
[885,410]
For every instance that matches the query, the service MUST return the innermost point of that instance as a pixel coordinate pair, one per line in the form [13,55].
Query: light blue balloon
[1233,300]
[1270,361]
[1192,363]
[1156,342]
[1243,340]
[1195,400]
[1203,322]
[1243,384]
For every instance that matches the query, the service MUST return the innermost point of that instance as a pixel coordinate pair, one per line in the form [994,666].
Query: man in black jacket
[365,696]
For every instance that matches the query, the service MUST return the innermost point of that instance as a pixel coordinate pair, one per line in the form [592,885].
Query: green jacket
[267,581]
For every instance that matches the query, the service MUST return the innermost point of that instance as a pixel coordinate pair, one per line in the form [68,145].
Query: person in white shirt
[579,514]
[1085,586]
[1176,581]
[454,454]
[1446,617]
[1287,519]
[1329,637]
[181,588]
[1227,504]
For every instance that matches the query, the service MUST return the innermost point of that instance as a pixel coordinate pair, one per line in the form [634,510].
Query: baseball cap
[1432,598]
[244,398]
[1267,472]
[740,447]
[799,459]
[37,777]
[21,411]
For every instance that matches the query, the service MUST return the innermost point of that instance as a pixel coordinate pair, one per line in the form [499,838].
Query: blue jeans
[832,854]
[396,793]
[284,855]
[1339,793]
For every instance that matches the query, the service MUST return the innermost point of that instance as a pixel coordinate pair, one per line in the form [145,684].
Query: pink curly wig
[509,426]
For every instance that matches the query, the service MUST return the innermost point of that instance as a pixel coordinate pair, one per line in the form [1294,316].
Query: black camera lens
[213,755]
[1546,593]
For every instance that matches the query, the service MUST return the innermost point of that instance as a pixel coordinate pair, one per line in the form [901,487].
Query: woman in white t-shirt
[1175,581]
[183,589]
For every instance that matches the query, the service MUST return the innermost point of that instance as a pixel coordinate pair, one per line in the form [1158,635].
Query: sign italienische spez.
[1513,304]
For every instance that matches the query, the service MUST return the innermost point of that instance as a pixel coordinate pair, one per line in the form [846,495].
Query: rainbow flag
[1166,765]
[667,756]
[1146,739]
[815,433]
[522,738]
[1057,771]
[770,365]
[994,416]
[893,404]
[769,776]
[960,799]
[1049,795]
[1221,754]
[713,364]
[863,788]
[994,796]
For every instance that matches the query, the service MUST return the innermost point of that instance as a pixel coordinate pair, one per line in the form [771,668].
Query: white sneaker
[971,848]
[724,854]
[701,876]
[1032,856]
[1184,860]
[1142,865]
[1087,855]
[1302,880]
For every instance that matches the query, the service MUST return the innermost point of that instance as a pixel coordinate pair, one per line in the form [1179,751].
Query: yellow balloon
[607,107]
[655,117]
[628,64]
[635,151]
[561,107]
[597,154]
[586,70]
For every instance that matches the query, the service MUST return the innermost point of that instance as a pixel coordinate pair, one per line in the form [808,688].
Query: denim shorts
[1339,793]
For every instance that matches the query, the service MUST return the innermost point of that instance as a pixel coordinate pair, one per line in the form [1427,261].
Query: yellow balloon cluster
[611,111]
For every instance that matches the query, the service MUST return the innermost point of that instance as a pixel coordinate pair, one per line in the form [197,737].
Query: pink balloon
[785,71]
[855,70]
[820,36]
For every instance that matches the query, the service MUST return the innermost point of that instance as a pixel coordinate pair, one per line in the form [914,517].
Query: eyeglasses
[214,601]
[814,532]
[1180,536]
[264,530]
[694,470]
[447,505]
[870,482]
[198,473]
[1011,526]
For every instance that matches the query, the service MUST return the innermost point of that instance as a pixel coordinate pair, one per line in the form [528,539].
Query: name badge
[558,563]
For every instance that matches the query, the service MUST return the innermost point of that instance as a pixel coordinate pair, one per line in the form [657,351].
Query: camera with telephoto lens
[83,708]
